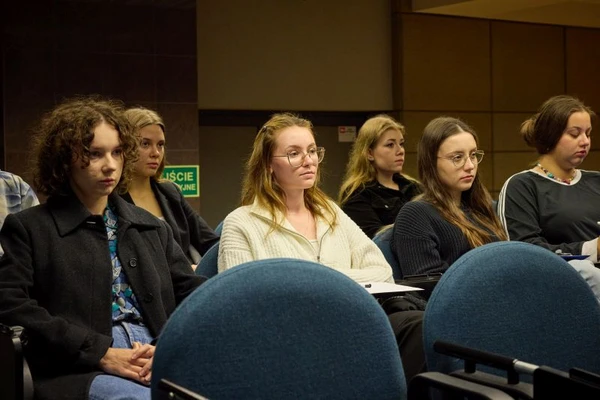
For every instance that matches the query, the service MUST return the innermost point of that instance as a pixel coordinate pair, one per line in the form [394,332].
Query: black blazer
[56,277]
[188,227]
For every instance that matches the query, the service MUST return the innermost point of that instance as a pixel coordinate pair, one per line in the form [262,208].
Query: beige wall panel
[583,65]
[300,55]
[527,65]
[415,122]
[507,164]
[446,63]
[506,128]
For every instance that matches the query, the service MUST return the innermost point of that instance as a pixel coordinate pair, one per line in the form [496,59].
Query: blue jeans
[110,387]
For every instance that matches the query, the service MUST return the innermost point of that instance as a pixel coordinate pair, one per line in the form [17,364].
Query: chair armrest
[15,377]
[426,282]
[169,390]
[420,385]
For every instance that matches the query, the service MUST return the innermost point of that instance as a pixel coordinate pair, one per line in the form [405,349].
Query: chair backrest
[518,300]
[382,240]
[208,266]
[278,329]
[219,228]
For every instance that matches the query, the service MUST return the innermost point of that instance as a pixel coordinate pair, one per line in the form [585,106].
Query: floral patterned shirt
[124,304]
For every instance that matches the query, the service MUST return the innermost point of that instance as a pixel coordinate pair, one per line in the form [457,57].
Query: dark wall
[140,54]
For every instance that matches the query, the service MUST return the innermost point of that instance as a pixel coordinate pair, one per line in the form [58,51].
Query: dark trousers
[408,328]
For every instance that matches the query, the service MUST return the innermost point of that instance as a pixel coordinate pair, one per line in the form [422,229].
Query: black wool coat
[188,227]
[56,277]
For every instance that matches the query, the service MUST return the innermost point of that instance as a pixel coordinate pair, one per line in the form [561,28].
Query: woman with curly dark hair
[91,277]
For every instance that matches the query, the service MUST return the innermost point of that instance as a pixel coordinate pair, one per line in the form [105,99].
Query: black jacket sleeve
[72,344]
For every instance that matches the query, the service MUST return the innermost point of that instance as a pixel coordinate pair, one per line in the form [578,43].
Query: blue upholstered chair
[517,300]
[208,266]
[382,240]
[219,228]
[280,329]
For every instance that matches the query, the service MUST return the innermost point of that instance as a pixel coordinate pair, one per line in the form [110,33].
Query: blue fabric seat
[382,240]
[518,300]
[219,228]
[280,329]
[208,265]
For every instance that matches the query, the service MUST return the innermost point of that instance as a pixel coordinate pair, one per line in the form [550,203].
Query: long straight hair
[477,199]
[259,183]
[360,170]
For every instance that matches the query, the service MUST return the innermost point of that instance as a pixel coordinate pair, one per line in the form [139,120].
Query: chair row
[274,328]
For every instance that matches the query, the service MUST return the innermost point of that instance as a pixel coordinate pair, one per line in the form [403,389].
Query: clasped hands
[134,364]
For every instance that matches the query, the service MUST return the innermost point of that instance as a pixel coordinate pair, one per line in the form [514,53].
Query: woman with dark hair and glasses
[454,214]
[285,214]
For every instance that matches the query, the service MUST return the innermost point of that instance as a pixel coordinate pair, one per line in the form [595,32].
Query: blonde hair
[259,183]
[360,170]
[140,117]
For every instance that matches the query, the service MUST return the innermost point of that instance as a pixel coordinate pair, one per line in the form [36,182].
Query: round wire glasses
[296,158]
[459,160]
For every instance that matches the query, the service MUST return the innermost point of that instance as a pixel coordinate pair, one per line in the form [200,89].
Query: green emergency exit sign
[186,176]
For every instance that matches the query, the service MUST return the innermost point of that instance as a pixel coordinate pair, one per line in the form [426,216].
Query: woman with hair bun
[554,204]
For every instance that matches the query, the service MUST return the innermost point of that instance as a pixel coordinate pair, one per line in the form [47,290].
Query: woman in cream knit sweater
[285,214]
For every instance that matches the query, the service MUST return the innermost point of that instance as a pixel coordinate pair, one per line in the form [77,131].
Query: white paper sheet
[384,287]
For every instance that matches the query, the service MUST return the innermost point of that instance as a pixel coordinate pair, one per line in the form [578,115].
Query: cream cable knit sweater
[345,248]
